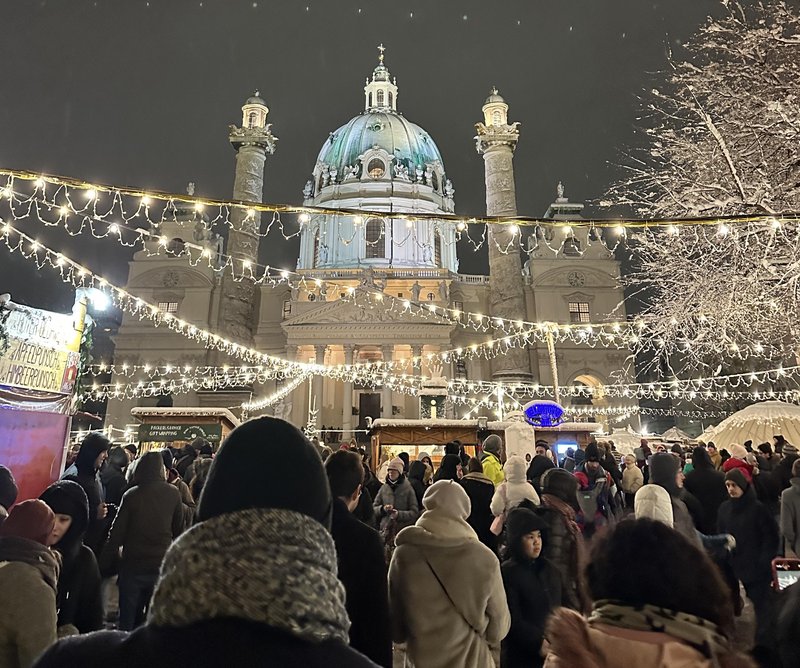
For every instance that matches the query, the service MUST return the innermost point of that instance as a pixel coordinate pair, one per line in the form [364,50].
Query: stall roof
[590,427]
[142,413]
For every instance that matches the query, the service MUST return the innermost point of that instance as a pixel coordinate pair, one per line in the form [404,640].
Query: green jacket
[492,468]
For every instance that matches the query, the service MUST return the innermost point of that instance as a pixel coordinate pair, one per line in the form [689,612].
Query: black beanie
[736,476]
[8,488]
[521,521]
[66,497]
[663,471]
[561,484]
[266,463]
[592,453]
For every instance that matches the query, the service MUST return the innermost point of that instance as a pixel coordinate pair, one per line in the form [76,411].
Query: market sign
[167,433]
[43,350]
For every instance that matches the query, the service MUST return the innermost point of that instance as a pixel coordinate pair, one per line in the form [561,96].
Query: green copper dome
[407,142]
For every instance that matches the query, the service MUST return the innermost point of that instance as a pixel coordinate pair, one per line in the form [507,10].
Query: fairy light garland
[281,393]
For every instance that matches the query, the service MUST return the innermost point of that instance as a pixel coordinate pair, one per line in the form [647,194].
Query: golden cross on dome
[381,48]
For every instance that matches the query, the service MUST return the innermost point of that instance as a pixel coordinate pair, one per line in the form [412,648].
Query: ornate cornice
[490,136]
[261,137]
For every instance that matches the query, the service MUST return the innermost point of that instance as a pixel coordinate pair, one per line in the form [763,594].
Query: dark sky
[141,93]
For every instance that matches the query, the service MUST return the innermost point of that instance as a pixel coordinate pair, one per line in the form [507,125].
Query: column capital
[319,352]
[349,351]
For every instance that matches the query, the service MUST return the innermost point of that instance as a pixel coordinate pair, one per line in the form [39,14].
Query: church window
[176,246]
[320,182]
[252,119]
[375,239]
[168,307]
[376,169]
[579,312]
[380,98]
[435,181]
[458,306]
[400,295]
[312,297]
[369,97]
[437,249]
[572,247]
[496,117]
[287,308]
[431,296]
[391,99]
[461,368]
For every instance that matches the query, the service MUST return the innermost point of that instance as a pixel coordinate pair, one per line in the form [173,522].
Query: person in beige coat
[445,589]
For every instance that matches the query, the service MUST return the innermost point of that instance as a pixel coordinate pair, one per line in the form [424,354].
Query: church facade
[380,162]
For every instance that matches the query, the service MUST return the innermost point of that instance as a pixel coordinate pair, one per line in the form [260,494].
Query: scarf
[701,634]
[272,566]
[43,559]
[567,512]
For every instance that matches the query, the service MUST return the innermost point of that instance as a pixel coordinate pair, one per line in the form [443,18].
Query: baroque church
[378,161]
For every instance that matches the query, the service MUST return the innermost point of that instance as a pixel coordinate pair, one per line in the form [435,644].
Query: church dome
[408,143]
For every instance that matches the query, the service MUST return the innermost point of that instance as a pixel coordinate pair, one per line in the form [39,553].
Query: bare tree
[723,139]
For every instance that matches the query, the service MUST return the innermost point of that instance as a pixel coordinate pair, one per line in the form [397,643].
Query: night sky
[141,93]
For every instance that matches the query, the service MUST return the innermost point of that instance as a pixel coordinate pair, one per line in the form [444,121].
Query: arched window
[369,97]
[320,182]
[572,247]
[376,169]
[497,117]
[380,98]
[252,119]
[391,99]
[435,181]
[315,259]
[375,239]
[437,249]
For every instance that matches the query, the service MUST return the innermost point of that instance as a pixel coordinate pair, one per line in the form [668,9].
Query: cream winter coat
[515,489]
[445,589]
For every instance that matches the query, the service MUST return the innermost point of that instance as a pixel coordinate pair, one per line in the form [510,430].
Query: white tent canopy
[625,440]
[675,434]
[757,423]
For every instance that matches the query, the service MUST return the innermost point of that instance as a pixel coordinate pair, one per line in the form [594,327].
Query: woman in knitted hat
[395,504]
[28,576]
[80,601]
[757,542]
[445,589]
[254,582]
[738,459]
[533,589]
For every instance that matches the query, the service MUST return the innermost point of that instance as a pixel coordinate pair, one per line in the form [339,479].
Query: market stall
[176,427]
[757,423]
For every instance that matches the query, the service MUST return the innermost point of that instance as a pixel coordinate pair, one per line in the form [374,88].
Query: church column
[416,351]
[252,142]
[496,141]
[386,392]
[316,387]
[347,399]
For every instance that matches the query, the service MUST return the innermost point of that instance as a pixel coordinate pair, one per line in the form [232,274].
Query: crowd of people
[275,551]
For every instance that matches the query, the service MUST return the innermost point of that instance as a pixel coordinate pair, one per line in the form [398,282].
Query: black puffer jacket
[756,533]
[707,485]
[416,475]
[113,475]
[91,448]
[480,491]
[561,549]
[533,591]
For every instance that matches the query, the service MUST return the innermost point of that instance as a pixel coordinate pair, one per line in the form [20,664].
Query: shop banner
[32,445]
[167,433]
[43,352]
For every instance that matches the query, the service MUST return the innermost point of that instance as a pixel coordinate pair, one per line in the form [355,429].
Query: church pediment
[575,275]
[177,277]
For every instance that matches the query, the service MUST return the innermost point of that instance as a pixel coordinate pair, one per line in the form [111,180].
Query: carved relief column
[316,387]
[347,399]
[252,142]
[386,392]
[496,141]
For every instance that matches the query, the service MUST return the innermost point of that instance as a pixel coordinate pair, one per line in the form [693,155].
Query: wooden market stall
[176,427]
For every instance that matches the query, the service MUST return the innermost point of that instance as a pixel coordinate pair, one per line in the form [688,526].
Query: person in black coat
[449,469]
[253,583]
[707,485]
[480,491]
[539,464]
[416,476]
[113,475]
[362,567]
[90,459]
[79,597]
[533,590]
[757,540]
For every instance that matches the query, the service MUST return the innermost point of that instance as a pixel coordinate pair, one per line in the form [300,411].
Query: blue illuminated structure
[543,413]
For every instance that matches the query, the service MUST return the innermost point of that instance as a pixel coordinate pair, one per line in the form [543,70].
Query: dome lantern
[495,109]
[381,92]
[254,112]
